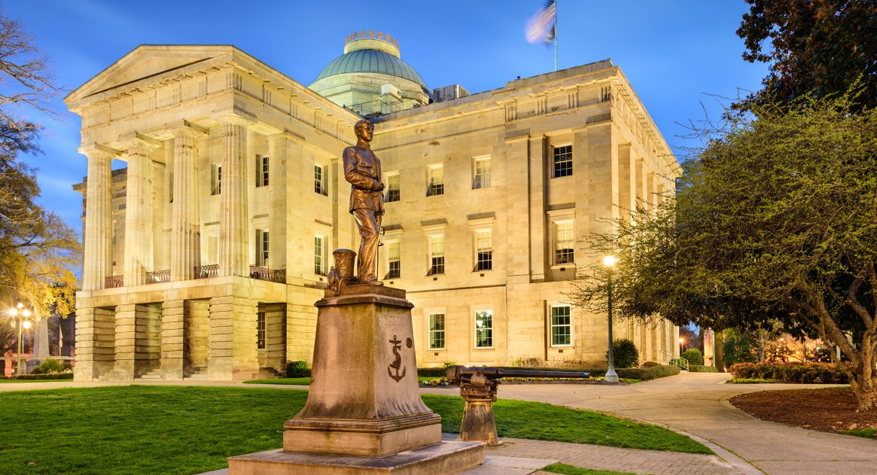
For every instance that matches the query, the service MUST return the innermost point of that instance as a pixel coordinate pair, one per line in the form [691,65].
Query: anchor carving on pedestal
[397,363]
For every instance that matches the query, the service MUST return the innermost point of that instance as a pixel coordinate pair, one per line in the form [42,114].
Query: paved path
[695,404]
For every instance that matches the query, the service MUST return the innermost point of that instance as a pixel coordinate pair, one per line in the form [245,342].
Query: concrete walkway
[695,404]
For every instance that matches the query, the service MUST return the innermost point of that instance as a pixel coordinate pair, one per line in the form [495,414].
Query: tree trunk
[719,360]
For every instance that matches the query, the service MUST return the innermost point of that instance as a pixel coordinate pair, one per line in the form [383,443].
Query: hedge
[696,368]
[46,376]
[440,372]
[645,374]
[829,373]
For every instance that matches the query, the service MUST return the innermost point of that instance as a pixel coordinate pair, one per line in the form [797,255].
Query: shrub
[298,369]
[693,355]
[649,364]
[696,368]
[50,365]
[791,372]
[646,374]
[624,353]
[431,372]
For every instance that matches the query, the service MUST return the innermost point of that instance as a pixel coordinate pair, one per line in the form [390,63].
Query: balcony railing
[206,272]
[158,276]
[114,281]
[271,275]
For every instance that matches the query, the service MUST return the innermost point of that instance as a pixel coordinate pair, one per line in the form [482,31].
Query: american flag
[541,25]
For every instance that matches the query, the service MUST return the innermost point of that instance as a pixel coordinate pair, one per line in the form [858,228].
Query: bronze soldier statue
[363,170]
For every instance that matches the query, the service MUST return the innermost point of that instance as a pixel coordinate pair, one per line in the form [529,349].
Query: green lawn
[192,429]
[565,469]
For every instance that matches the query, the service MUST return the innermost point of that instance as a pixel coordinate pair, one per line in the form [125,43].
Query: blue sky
[672,51]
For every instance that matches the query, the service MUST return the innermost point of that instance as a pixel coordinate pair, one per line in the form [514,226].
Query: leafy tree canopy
[775,219]
[816,47]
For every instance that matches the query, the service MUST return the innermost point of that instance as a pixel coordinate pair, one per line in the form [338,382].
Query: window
[482,173]
[393,190]
[319,260]
[561,326]
[216,180]
[170,186]
[262,247]
[260,330]
[562,161]
[261,171]
[564,237]
[436,331]
[436,255]
[484,329]
[483,249]
[320,180]
[394,263]
[436,181]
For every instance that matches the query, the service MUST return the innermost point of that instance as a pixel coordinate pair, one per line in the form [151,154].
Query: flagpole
[555,34]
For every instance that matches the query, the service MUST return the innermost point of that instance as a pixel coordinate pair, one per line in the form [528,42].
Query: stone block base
[377,438]
[444,458]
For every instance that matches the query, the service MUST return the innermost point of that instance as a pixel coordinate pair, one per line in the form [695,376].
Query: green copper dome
[371,61]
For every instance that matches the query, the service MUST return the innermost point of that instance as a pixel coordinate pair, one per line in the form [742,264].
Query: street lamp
[21,316]
[611,375]
[681,346]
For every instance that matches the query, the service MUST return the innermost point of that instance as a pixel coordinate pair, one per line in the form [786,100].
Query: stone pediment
[149,61]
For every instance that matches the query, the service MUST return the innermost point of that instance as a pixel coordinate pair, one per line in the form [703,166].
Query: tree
[815,47]
[38,251]
[775,221]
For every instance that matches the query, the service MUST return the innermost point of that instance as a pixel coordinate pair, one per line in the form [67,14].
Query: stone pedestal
[364,413]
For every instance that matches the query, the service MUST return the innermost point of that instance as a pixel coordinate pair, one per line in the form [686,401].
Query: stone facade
[204,257]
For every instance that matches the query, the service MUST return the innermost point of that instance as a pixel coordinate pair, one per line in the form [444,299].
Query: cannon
[478,389]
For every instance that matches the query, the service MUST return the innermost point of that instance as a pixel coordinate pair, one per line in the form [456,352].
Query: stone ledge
[446,457]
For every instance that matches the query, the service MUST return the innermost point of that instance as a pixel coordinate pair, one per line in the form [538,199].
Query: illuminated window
[482,173]
[393,189]
[484,329]
[436,181]
[394,262]
[484,249]
[319,255]
[436,255]
[436,331]
[561,326]
[564,238]
[261,171]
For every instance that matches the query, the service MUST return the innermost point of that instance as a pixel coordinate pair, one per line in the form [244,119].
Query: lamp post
[21,316]
[611,375]
[681,346]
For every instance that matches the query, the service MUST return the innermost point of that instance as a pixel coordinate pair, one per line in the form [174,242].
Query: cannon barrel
[460,373]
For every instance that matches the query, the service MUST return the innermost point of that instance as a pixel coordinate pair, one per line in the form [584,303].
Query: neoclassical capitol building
[205,254]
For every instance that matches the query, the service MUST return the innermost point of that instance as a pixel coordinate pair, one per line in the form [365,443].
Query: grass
[869,433]
[282,381]
[3,380]
[749,381]
[192,429]
[571,470]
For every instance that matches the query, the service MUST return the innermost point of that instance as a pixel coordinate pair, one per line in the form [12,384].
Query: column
[125,340]
[538,236]
[518,210]
[172,334]
[234,218]
[138,211]
[98,235]
[186,224]
[277,154]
